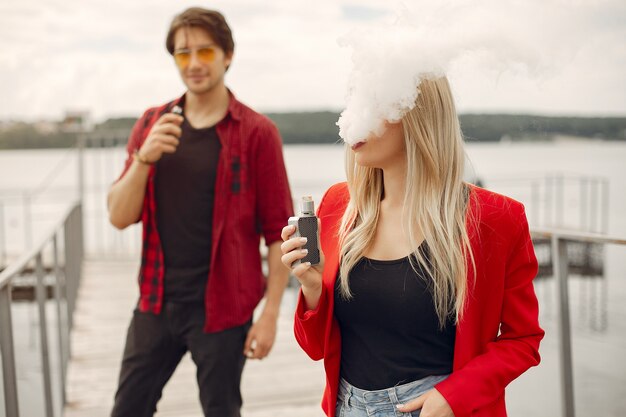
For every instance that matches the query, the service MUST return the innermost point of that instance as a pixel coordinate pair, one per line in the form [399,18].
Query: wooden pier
[287,383]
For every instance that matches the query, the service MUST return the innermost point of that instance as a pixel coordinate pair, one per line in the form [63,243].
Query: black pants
[155,345]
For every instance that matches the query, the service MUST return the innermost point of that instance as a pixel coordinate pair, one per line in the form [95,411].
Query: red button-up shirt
[252,198]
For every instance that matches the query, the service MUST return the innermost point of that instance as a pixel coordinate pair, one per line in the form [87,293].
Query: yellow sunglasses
[205,55]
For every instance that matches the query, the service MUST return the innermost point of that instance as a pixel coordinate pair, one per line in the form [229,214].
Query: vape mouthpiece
[308,206]
[177,110]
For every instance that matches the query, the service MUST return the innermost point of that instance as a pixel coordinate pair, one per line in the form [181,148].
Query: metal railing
[18,206]
[560,260]
[67,255]
[560,200]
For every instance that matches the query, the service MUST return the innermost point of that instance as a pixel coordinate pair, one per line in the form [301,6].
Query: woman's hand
[432,403]
[310,276]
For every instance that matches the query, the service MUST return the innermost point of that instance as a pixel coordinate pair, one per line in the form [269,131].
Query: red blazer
[497,338]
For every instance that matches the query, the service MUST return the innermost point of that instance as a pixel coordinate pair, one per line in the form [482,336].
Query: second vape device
[306,226]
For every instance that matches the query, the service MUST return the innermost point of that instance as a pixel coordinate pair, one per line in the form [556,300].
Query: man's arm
[263,333]
[274,207]
[277,280]
[125,199]
[126,196]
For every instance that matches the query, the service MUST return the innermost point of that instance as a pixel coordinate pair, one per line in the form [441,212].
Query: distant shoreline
[320,128]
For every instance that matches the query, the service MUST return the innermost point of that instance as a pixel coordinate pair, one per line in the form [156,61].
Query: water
[37,184]
[506,168]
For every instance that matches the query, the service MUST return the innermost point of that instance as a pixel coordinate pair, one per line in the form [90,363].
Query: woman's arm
[483,379]
[311,317]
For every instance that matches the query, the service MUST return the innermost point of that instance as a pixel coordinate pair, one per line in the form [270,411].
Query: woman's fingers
[291,244]
[287,231]
[301,269]
[292,249]
[290,257]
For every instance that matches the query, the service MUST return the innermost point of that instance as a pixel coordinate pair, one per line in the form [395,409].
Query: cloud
[109,57]
[360,12]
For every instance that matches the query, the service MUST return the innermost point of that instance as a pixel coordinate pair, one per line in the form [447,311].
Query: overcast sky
[108,57]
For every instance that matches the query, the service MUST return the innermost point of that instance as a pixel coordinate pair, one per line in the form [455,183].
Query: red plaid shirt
[252,197]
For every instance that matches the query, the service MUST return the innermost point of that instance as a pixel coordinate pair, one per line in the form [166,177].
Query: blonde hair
[435,200]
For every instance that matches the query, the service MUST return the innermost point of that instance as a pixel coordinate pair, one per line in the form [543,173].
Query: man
[206,184]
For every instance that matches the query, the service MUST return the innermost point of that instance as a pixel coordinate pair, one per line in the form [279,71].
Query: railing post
[560,262]
[560,197]
[73,238]
[80,146]
[584,204]
[80,225]
[3,246]
[548,201]
[534,201]
[99,228]
[28,221]
[43,334]
[604,228]
[595,206]
[63,329]
[68,230]
[8,353]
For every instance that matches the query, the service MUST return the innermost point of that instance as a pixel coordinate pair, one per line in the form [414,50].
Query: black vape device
[306,226]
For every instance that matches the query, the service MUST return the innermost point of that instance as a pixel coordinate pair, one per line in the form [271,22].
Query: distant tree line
[320,127]
[25,136]
[494,127]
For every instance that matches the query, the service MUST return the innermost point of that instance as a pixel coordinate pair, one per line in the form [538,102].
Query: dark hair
[210,20]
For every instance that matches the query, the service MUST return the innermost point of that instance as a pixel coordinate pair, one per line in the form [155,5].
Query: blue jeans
[355,402]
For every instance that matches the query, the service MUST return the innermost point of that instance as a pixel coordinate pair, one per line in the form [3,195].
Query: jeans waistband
[396,394]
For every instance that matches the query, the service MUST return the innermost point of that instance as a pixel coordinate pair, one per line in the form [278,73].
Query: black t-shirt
[389,330]
[185,189]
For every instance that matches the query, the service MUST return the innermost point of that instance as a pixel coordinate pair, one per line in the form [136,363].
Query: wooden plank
[287,383]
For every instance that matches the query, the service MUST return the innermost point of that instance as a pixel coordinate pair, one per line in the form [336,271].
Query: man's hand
[163,137]
[261,337]
[432,404]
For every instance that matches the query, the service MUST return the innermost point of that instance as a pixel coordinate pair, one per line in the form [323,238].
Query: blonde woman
[424,302]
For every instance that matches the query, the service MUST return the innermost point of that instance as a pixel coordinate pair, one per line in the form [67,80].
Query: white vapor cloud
[434,39]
